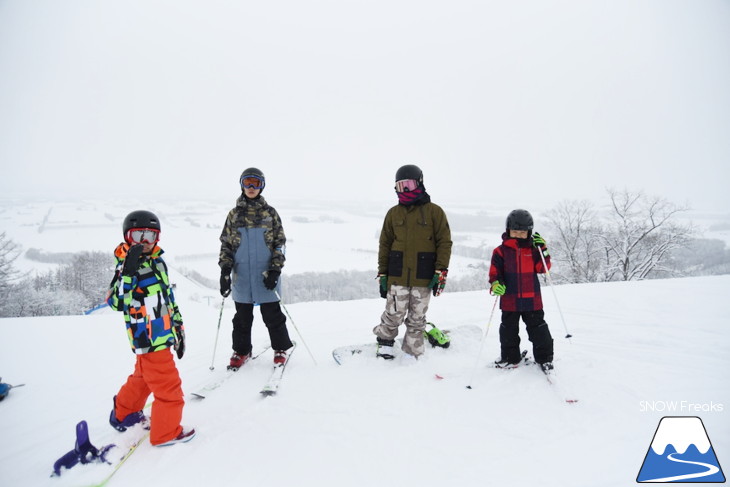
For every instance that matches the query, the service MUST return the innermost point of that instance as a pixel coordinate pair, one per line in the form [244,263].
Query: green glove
[438,282]
[498,289]
[537,240]
[383,285]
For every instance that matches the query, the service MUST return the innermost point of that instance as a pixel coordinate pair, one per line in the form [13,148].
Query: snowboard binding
[84,452]
[436,337]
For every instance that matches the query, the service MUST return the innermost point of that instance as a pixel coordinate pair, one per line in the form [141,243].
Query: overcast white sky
[520,102]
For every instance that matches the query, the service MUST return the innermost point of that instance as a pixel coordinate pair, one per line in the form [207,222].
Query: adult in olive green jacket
[414,243]
[413,260]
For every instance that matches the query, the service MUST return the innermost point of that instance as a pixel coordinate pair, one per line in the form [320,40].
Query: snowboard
[367,351]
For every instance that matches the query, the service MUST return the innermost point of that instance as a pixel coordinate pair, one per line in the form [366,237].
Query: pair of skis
[270,388]
[549,374]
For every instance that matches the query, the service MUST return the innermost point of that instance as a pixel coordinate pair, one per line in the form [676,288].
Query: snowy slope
[387,423]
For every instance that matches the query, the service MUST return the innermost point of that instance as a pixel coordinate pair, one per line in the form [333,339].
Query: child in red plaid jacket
[513,275]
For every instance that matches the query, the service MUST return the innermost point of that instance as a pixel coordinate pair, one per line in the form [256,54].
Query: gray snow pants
[411,304]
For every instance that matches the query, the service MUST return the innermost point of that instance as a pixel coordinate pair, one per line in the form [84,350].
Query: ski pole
[295,326]
[215,344]
[552,288]
[484,338]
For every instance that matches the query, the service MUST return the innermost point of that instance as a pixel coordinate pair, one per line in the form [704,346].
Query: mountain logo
[681,452]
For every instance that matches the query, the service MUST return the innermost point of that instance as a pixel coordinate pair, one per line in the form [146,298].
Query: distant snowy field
[321,236]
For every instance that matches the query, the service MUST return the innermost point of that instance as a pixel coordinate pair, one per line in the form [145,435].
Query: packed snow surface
[638,348]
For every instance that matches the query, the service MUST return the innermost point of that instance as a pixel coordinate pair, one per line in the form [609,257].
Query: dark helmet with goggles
[141,226]
[408,178]
[252,178]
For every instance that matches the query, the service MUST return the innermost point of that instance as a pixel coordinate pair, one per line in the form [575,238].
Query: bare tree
[641,233]
[575,248]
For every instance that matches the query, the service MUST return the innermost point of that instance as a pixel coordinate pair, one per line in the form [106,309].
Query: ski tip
[197,395]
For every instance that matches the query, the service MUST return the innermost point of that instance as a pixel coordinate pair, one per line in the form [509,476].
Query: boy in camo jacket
[251,259]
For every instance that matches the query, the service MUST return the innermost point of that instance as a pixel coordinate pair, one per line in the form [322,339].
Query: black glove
[271,279]
[131,261]
[179,341]
[225,282]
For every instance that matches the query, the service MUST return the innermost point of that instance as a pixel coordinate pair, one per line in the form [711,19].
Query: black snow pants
[274,320]
[537,332]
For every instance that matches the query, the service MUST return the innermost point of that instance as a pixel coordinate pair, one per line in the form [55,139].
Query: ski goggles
[254,182]
[143,235]
[406,185]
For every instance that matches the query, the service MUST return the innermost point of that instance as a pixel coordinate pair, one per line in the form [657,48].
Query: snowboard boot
[385,349]
[279,357]
[238,360]
[183,437]
[436,337]
[129,421]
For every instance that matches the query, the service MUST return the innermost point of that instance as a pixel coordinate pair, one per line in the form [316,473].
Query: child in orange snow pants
[154,373]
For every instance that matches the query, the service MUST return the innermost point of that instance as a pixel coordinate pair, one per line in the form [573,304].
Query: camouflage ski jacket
[252,242]
[414,242]
[151,315]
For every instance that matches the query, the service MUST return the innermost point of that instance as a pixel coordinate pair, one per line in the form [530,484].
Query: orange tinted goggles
[252,182]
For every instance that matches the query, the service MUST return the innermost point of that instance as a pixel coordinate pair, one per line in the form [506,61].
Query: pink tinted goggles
[406,185]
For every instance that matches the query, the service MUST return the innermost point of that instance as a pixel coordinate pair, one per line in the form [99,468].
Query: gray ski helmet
[409,171]
[520,220]
[253,171]
[141,219]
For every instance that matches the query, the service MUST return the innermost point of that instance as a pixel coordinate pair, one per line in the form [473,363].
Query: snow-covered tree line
[69,289]
[635,237]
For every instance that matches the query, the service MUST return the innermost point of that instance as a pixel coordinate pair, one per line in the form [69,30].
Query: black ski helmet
[520,220]
[253,171]
[409,171]
[141,219]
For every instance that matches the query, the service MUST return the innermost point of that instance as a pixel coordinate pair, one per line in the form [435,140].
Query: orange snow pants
[155,373]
